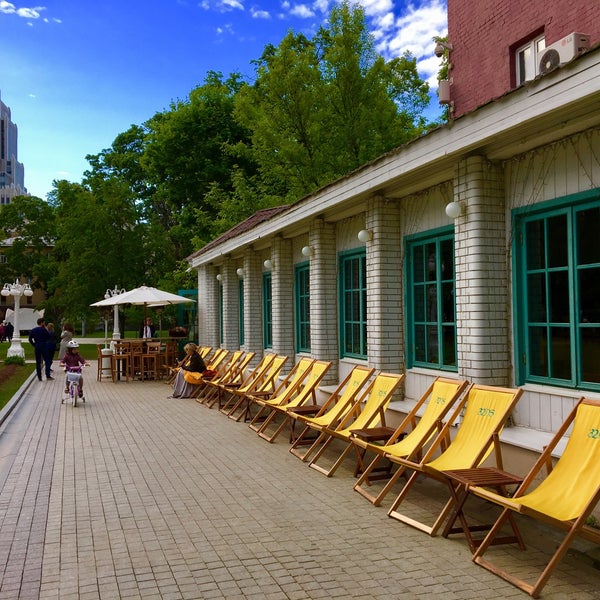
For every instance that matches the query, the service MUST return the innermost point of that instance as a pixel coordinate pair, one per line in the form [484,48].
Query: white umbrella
[143,295]
[149,296]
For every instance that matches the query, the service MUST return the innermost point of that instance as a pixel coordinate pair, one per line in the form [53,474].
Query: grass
[9,388]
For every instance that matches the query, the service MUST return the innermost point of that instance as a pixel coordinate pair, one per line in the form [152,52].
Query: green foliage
[317,109]
[320,108]
[14,360]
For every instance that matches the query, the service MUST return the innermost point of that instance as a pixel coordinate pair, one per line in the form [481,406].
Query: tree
[320,108]
[28,225]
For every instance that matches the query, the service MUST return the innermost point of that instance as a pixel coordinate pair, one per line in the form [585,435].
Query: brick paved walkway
[133,495]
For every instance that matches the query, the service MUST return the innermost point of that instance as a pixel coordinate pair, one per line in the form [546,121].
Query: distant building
[12,172]
[471,251]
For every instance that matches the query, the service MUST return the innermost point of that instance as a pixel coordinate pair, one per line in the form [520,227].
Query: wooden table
[460,481]
[369,435]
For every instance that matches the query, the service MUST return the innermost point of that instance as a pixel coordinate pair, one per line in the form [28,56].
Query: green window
[557,292]
[267,311]
[241,309]
[353,303]
[431,307]
[302,307]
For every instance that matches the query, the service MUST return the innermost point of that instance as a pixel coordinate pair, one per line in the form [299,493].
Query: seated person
[189,376]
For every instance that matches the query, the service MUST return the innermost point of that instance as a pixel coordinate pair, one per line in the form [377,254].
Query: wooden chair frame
[331,412]
[367,411]
[305,392]
[574,527]
[471,456]
[409,440]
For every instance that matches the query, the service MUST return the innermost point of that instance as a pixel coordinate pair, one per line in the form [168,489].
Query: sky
[75,74]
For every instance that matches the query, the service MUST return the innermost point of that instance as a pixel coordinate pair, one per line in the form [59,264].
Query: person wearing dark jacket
[189,376]
[39,338]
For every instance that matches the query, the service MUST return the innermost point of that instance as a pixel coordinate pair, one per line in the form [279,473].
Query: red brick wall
[485,34]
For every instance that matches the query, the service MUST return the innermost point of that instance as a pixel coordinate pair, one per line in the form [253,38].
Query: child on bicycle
[72,359]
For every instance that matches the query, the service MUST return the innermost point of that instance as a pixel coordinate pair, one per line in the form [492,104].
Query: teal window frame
[302,306]
[430,300]
[267,294]
[352,280]
[556,267]
[241,310]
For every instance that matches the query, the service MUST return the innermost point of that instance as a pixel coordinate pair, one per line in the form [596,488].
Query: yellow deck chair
[486,412]
[242,408]
[410,438]
[285,389]
[217,364]
[233,377]
[304,393]
[204,351]
[227,390]
[237,361]
[331,412]
[367,411]
[564,499]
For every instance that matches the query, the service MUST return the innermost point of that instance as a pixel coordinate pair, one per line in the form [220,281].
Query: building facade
[12,172]
[470,251]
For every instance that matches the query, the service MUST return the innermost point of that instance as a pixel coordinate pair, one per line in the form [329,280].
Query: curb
[12,403]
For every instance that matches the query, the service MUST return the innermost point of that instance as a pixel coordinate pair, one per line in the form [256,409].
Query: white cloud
[302,10]
[259,14]
[232,5]
[27,13]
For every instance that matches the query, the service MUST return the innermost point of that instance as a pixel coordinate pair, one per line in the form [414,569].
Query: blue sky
[75,74]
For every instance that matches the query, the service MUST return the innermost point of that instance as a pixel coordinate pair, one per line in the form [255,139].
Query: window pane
[448,302]
[589,295]
[419,303]
[558,254]
[588,227]
[418,264]
[447,256]
[449,352]
[559,297]
[561,353]
[536,297]
[420,355]
[431,303]
[538,351]
[590,354]
[431,262]
[433,355]
[536,244]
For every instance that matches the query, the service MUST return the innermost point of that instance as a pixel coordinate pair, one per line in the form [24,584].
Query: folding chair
[284,389]
[266,383]
[303,394]
[564,499]
[223,370]
[226,396]
[331,412]
[233,376]
[376,399]
[410,438]
[486,412]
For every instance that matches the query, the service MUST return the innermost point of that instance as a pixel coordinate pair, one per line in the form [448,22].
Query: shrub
[14,360]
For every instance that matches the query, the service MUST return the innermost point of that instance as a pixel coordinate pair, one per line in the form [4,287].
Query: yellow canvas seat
[332,411]
[485,410]
[264,382]
[367,411]
[233,376]
[410,437]
[564,499]
[222,371]
[303,393]
[227,398]
[284,389]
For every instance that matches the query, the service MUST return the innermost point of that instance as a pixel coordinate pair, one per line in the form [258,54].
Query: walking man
[39,338]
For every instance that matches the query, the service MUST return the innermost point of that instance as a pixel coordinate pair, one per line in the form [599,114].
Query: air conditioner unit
[562,51]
